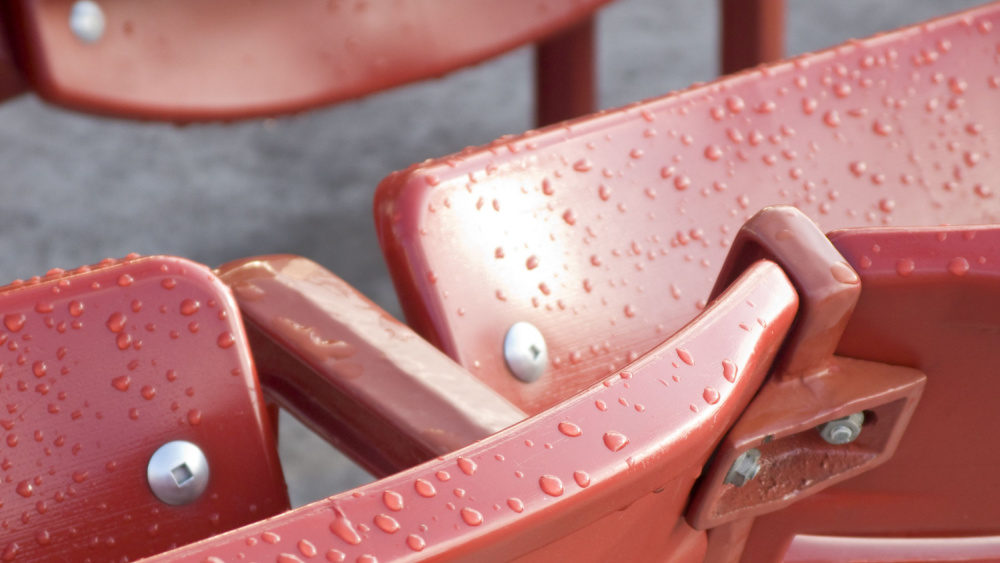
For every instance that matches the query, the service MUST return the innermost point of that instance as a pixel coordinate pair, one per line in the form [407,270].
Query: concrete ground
[77,188]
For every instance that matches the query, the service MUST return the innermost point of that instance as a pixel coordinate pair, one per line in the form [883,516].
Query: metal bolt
[745,468]
[86,20]
[525,351]
[843,430]
[178,472]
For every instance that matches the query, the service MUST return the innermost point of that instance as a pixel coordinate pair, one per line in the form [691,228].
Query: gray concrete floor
[77,188]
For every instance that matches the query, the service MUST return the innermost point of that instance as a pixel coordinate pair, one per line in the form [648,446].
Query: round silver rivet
[525,351]
[178,472]
[86,20]
[843,430]
[744,468]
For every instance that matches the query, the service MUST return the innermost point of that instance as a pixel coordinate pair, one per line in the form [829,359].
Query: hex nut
[842,430]
[744,469]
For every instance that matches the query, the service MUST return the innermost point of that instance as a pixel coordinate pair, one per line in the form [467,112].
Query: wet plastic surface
[607,233]
[598,466]
[101,366]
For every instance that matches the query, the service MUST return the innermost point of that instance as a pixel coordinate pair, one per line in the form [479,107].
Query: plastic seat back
[607,233]
[99,368]
[188,61]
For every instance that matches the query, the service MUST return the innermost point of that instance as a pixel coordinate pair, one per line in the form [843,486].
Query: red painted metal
[929,301]
[809,386]
[634,442]
[102,365]
[191,60]
[359,378]
[753,33]
[564,74]
[11,81]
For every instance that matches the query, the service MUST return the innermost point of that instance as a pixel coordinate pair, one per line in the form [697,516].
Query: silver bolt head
[744,468]
[86,20]
[525,351]
[178,473]
[843,430]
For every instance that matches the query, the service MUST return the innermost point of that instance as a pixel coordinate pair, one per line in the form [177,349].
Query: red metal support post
[753,32]
[564,74]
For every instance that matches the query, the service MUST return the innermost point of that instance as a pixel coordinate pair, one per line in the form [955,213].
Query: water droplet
[226,340]
[14,321]
[581,478]
[343,528]
[386,523]
[711,395]
[532,262]
[615,441]
[569,217]
[415,542]
[551,485]
[685,356]
[583,165]
[515,504]
[905,267]
[393,500]
[569,429]
[189,307]
[472,516]
[735,104]
[424,488]
[123,341]
[306,548]
[604,192]
[10,552]
[194,417]
[270,538]
[466,465]
[713,152]
[121,383]
[75,308]
[881,128]
[729,370]
[831,118]
[958,266]
[125,280]
[116,322]
[843,273]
